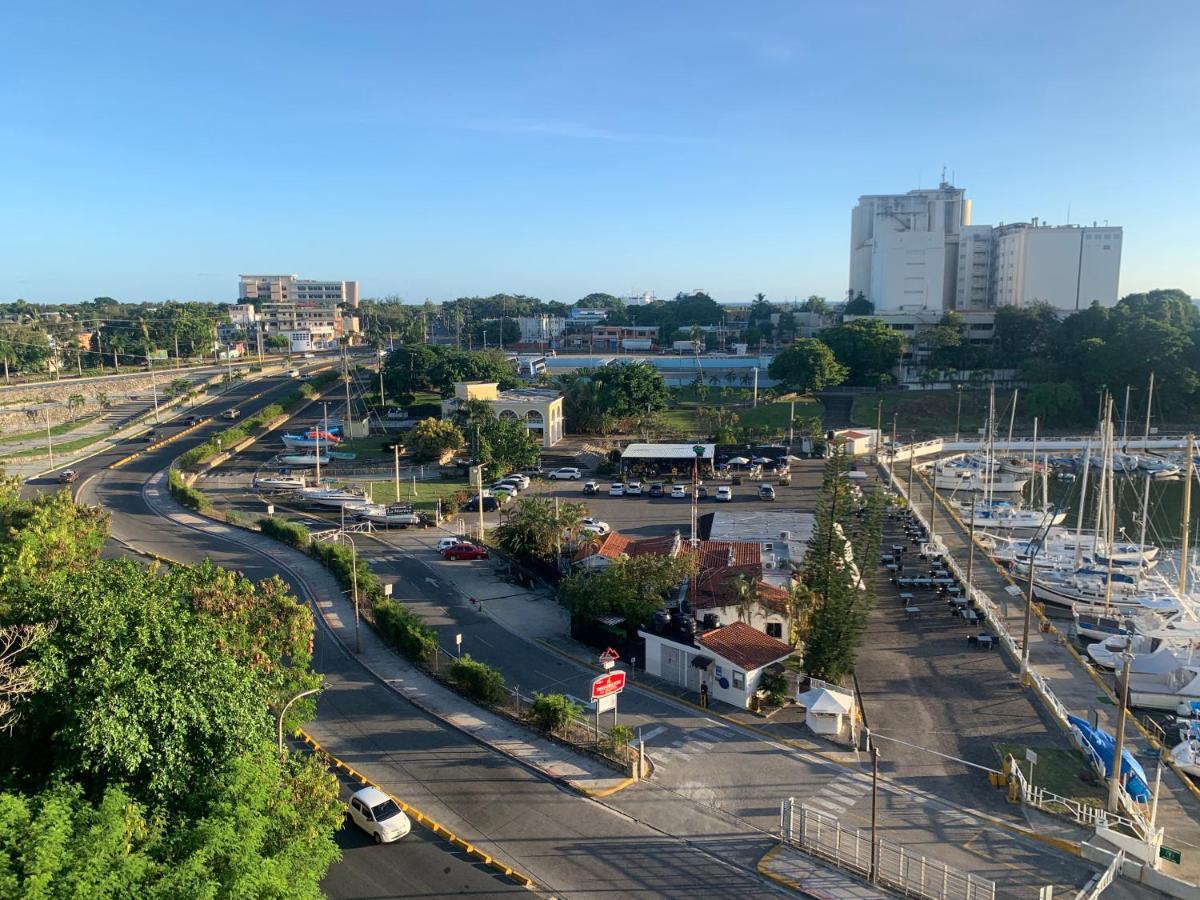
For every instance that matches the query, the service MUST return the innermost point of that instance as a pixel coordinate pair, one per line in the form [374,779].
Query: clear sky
[444,149]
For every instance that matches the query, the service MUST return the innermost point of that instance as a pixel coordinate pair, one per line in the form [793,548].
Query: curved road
[569,845]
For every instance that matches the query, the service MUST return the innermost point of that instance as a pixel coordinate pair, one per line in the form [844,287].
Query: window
[739,680]
[775,630]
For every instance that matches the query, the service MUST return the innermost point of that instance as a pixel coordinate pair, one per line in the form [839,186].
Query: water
[1166,505]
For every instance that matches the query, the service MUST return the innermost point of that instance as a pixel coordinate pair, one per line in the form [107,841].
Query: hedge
[286,532]
[405,629]
[478,679]
[181,491]
[552,712]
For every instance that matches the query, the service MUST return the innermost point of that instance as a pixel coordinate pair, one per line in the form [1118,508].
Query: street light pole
[154,388]
[958,416]
[342,536]
[283,712]
[874,805]
[49,443]
[1114,784]
[1029,586]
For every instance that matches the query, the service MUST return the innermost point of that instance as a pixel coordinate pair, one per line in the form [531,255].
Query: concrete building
[541,411]
[624,337]
[284,288]
[588,317]
[1067,266]
[541,329]
[919,252]
[904,247]
[313,315]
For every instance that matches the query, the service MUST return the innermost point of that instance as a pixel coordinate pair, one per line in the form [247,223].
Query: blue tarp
[1132,773]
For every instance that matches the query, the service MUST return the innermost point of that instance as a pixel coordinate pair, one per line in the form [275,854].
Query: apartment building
[313,315]
[624,337]
[1067,266]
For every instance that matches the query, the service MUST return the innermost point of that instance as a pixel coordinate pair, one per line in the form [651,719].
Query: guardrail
[882,861]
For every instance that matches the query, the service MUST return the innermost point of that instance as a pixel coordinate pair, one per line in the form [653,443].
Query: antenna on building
[1068,212]
[943,174]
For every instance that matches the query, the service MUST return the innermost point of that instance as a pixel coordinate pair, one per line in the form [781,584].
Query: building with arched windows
[541,411]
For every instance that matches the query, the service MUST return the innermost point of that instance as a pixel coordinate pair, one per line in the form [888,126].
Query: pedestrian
[704,695]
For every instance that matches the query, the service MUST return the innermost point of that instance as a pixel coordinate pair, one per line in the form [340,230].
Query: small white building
[541,411]
[858,441]
[730,660]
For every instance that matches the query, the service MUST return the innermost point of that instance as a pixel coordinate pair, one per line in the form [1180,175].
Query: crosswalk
[683,745]
[840,794]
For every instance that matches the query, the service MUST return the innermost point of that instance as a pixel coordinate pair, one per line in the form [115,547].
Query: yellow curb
[765,871]
[424,820]
[606,792]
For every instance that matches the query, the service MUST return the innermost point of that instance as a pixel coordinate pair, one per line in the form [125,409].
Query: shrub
[552,712]
[478,679]
[774,684]
[285,532]
[188,496]
[620,736]
[405,629]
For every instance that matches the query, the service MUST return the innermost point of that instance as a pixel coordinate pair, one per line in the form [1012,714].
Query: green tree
[537,528]
[632,588]
[807,365]
[433,438]
[506,445]
[866,347]
[859,305]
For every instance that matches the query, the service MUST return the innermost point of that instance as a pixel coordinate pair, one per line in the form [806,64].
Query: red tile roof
[744,646]
[855,435]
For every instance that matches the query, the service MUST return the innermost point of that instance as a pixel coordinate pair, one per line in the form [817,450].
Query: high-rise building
[313,315]
[904,247]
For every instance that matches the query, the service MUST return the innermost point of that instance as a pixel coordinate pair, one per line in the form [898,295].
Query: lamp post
[343,536]
[283,712]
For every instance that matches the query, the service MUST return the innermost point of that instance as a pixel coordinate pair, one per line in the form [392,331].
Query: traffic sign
[1170,854]
[606,704]
[607,685]
[608,657]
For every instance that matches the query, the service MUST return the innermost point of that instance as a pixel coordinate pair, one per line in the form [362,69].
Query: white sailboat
[279,482]
[334,496]
[304,459]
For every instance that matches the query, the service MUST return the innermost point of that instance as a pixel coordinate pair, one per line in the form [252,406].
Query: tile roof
[744,646]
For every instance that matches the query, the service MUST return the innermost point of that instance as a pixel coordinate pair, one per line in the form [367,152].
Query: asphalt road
[569,845]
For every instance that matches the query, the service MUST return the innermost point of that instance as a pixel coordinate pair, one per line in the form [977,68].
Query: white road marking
[432,581]
[653,733]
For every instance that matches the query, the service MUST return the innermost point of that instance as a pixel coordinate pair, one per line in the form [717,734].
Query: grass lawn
[777,415]
[371,445]
[63,448]
[426,496]
[682,420]
[1058,771]
[55,430]
[926,412]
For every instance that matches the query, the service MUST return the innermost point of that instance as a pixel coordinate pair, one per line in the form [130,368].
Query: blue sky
[446,149]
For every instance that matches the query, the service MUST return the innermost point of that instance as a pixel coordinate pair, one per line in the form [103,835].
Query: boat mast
[1100,499]
[1146,489]
[1125,423]
[1012,418]
[1109,534]
[1185,523]
[1087,460]
[990,449]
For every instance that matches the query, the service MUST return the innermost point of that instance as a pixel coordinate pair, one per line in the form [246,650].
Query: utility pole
[756,387]
[1029,586]
[49,443]
[479,470]
[154,388]
[382,397]
[1114,783]
[971,545]
[792,426]
[910,461]
[396,454]
[958,416]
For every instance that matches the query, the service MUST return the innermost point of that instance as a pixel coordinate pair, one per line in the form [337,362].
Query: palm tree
[799,608]
[747,596]
[714,379]
[75,402]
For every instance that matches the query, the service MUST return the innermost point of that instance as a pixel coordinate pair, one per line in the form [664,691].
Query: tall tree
[807,365]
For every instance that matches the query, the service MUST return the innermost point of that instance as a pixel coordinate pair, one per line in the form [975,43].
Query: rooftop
[744,646]
[667,451]
[528,395]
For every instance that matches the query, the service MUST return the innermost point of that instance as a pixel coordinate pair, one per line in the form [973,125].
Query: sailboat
[279,482]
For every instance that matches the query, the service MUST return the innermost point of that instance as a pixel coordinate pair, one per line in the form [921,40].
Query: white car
[634,489]
[521,480]
[567,473]
[724,494]
[616,489]
[679,492]
[378,815]
[445,542]
[508,484]
[595,526]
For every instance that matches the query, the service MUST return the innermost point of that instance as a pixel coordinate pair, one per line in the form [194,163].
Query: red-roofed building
[729,660]
[859,443]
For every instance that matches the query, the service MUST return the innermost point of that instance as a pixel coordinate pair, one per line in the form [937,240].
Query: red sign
[607,685]
[609,655]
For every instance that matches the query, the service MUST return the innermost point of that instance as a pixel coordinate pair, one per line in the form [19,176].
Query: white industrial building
[312,315]
[919,252]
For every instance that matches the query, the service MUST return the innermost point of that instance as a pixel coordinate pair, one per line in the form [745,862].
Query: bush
[405,629]
[553,712]
[620,736]
[285,532]
[774,684]
[188,496]
[478,679]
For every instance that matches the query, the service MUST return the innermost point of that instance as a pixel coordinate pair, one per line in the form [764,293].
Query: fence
[1108,876]
[891,864]
[1083,813]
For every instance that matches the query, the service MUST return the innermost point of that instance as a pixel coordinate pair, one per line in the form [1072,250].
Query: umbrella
[789,458]
[738,461]
[761,460]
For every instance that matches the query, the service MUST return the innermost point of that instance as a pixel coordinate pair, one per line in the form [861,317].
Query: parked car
[766,492]
[679,492]
[511,487]
[594,525]
[465,551]
[447,542]
[567,473]
[657,489]
[701,492]
[724,494]
[491,503]
[590,488]
[522,480]
[616,489]
[634,489]
[378,815]
[67,476]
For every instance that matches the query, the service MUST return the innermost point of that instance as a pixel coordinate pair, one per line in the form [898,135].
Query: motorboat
[1173,691]
[342,454]
[1160,468]
[1095,623]
[1186,754]
[310,440]
[1119,591]
[280,482]
[400,515]
[1100,746]
[334,496]
[1001,515]
[968,479]
[304,459]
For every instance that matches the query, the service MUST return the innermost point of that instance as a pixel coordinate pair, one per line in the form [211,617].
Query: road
[568,844]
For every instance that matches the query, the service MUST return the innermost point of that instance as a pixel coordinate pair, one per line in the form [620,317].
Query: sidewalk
[586,776]
[789,867]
